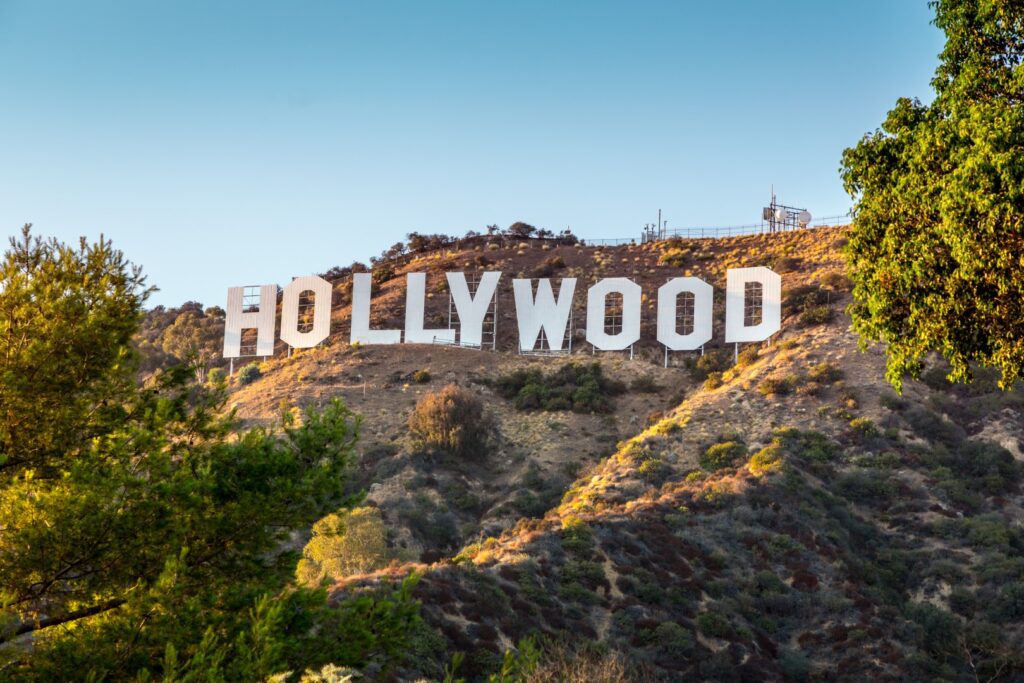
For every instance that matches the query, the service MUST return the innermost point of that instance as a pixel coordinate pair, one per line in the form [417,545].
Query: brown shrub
[451,421]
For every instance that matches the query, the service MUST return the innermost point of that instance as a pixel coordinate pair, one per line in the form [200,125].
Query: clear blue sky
[232,143]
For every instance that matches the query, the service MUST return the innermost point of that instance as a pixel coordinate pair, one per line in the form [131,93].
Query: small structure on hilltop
[654,232]
[781,218]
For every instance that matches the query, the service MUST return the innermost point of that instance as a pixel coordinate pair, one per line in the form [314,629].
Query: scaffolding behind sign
[489,327]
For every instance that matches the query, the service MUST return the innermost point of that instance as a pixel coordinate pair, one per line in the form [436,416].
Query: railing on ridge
[711,232]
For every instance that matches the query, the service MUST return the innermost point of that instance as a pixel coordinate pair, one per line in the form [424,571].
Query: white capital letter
[597,299]
[736,329]
[472,309]
[668,302]
[262,319]
[361,332]
[415,301]
[544,312]
[321,289]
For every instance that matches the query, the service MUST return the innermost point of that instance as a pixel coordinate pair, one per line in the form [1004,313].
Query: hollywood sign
[537,309]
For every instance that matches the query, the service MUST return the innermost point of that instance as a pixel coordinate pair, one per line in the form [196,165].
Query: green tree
[138,515]
[196,338]
[345,542]
[937,246]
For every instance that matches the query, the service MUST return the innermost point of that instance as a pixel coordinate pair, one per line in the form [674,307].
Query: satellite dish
[804,218]
[780,214]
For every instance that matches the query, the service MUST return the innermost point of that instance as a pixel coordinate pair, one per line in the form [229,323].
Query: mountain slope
[787,518]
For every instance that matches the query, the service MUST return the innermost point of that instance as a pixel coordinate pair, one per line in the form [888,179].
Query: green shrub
[863,427]
[437,528]
[421,376]
[654,470]
[577,536]
[216,377]
[343,543]
[713,624]
[747,356]
[932,427]
[893,402]
[451,421]
[795,665]
[935,378]
[776,386]
[249,374]
[713,381]
[939,629]
[817,315]
[962,600]
[870,487]
[807,445]
[986,465]
[802,298]
[768,459]
[712,360]
[382,273]
[676,257]
[723,454]
[579,387]
[673,640]
[825,373]
[1009,606]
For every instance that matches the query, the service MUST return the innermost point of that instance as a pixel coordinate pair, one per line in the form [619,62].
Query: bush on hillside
[345,542]
[768,459]
[776,386]
[723,454]
[711,361]
[549,266]
[451,421]
[713,381]
[802,298]
[748,356]
[825,373]
[249,374]
[816,315]
[216,377]
[582,388]
[809,446]
[836,281]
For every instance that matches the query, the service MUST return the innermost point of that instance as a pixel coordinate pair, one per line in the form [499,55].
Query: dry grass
[562,664]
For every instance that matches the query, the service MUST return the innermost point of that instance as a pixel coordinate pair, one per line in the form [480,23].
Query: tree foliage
[344,542]
[937,246]
[137,526]
[196,339]
[187,334]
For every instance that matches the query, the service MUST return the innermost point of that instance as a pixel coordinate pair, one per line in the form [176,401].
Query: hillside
[786,518]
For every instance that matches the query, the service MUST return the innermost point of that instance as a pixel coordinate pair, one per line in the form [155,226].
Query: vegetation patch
[579,387]
[451,421]
[723,454]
